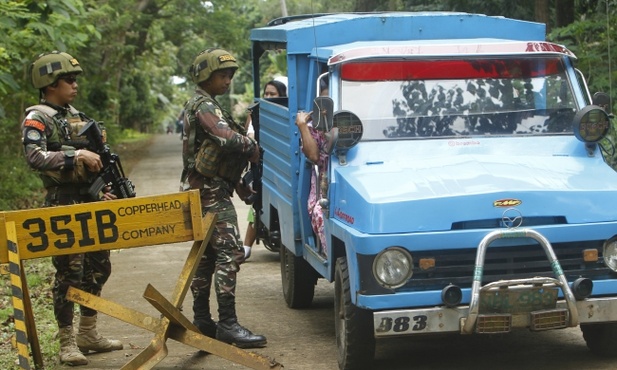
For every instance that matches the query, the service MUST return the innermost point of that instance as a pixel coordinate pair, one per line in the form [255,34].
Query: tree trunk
[284,9]
[541,13]
[564,12]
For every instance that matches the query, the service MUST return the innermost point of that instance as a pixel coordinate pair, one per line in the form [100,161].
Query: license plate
[517,300]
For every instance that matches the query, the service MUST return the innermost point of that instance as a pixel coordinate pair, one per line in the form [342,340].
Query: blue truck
[467,192]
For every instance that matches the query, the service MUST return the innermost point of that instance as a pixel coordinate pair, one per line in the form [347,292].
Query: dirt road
[261,306]
[298,339]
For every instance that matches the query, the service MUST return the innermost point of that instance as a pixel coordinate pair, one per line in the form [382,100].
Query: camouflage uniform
[609,145]
[50,142]
[215,171]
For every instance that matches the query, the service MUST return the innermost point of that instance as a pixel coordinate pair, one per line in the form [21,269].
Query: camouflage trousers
[85,271]
[221,259]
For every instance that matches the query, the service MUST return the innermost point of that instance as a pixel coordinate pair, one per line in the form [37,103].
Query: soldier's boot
[230,331]
[206,327]
[69,353]
[202,317]
[89,339]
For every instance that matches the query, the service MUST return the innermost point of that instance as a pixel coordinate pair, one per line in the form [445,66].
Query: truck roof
[302,36]
[424,48]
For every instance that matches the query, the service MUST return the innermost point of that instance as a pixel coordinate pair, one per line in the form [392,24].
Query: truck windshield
[440,98]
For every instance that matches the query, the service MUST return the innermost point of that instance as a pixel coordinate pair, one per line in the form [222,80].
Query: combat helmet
[46,69]
[211,60]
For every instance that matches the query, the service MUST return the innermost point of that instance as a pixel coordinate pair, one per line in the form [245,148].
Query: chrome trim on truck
[451,320]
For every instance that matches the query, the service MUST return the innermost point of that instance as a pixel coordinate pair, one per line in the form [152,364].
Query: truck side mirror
[602,100]
[349,130]
[323,109]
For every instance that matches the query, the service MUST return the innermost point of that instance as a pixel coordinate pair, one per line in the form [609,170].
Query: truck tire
[354,326]
[299,280]
[601,339]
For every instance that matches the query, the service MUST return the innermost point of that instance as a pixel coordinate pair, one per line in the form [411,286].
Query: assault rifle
[112,174]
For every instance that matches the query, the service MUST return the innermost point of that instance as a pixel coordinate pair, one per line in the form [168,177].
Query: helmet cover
[46,69]
[211,60]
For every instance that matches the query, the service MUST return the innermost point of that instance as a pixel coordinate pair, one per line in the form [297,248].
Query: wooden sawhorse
[118,224]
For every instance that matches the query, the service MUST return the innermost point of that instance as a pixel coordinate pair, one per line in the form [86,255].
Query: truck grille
[501,263]
[455,266]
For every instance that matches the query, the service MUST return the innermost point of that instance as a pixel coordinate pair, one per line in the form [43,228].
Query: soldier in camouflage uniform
[52,147]
[608,143]
[215,152]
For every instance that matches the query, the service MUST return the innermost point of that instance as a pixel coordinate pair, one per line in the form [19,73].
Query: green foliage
[278,63]
[20,187]
[131,136]
[590,39]
[136,105]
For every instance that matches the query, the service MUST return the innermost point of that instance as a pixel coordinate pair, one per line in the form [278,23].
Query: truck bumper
[452,320]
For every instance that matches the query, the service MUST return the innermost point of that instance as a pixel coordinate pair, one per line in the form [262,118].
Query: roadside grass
[40,274]
[130,136]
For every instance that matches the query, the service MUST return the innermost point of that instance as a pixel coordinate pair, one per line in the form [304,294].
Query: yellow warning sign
[105,225]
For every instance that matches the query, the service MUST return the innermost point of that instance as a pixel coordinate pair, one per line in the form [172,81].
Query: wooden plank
[171,312]
[149,357]
[113,309]
[234,354]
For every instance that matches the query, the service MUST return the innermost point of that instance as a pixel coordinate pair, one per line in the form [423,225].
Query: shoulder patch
[33,135]
[218,112]
[35,124]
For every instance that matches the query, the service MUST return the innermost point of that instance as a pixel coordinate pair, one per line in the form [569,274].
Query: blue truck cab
[467,192]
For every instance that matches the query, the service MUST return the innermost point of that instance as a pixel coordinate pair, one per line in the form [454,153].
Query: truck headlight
[393,267]
[610,253]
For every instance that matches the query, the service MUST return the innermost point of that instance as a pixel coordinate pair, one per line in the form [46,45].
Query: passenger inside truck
[315,145]
[275,91]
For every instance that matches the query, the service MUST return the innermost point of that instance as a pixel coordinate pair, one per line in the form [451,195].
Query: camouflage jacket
[609,145]
[49,136]
[207,124]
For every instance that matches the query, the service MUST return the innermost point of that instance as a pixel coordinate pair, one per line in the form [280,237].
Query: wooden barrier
[117,224]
